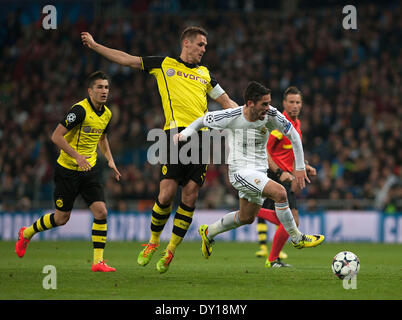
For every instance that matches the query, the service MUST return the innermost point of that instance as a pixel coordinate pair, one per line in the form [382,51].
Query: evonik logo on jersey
[91,130]
[171,72]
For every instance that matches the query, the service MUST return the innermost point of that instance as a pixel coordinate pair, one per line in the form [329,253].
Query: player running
[248,131]
[78,135]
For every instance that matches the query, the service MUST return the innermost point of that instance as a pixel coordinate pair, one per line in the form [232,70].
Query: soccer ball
[345,263]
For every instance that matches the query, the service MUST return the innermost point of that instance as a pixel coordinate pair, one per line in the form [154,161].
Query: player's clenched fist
[87,39]
[179,137]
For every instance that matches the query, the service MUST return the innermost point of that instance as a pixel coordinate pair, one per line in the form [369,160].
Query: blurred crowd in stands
[351,82]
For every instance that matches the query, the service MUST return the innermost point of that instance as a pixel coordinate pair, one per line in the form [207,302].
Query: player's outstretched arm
[225,101]
[219,120]
[191,129]
[114,55]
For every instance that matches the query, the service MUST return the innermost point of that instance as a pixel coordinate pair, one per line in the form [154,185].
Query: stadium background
[351,81]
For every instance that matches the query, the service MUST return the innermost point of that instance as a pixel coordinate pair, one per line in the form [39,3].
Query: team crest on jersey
[170,72]
[86,129]
[257,181]
[59,203]
[164,170]
[264,130]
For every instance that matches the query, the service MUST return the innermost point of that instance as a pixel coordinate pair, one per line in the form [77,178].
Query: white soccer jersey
[247,140]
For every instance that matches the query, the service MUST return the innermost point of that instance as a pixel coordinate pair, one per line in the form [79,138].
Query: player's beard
[261,115]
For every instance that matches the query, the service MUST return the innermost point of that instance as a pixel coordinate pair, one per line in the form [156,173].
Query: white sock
[228,222]
[286,218]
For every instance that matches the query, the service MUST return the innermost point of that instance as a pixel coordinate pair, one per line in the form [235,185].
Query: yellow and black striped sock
[44,223]
[160,215]
[99,231]
[181,223]
[262,229]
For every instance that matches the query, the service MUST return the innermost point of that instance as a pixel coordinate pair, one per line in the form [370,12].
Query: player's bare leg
[245,215]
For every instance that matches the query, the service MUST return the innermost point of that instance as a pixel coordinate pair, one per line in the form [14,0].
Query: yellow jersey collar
[98,112]
[188,65]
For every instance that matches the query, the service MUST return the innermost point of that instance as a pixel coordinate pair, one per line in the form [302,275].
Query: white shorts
[250,184]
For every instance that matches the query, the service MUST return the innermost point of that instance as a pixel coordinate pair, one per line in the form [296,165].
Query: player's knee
[281,195]
[189,199]
[101,213]
[99,210]
[165,198]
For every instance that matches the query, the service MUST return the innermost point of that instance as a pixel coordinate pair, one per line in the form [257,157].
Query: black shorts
[270,204]
[180,172]
[71,183]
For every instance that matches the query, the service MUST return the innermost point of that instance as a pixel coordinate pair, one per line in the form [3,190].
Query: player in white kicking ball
[248,129]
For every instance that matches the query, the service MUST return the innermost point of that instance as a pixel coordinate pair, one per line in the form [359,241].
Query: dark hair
[95,76]
[192,32]
[255,91]
[292,90]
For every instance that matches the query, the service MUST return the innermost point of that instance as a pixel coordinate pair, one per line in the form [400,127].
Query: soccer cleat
[21,244]
[309,241]
[146,254]
[163,264]
[101,266]
[277,263]
[206,246]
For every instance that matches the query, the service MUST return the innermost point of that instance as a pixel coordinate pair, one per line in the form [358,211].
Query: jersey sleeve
[276,120]
[106,130]
[214,89]
[74,116]
[215,120]
[151,62]
[221,119]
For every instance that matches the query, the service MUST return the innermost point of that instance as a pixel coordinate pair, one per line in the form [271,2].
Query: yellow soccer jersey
[85,126]
[183,89]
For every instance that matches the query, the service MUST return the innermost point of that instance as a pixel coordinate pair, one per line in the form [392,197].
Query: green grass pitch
[233,273]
